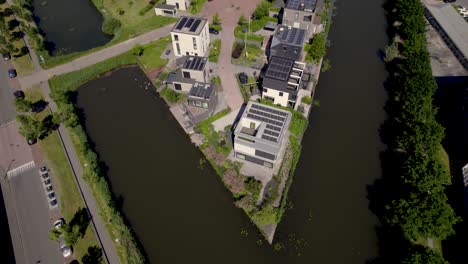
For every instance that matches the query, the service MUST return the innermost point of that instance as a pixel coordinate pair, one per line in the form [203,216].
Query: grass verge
[215,50]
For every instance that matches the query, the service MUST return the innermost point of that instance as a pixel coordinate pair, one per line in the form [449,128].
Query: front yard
[250,56]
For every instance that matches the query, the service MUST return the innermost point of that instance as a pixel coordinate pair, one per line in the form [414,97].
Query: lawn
[132,25]
[151,57]
[64,182]
[251,55]
[215,50]
[196,6]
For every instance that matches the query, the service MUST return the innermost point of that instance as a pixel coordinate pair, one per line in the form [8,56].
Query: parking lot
[34,218]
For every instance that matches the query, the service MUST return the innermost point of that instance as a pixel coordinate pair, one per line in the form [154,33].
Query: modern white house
[191,37]
[180,4]
[259,134]
[282,81]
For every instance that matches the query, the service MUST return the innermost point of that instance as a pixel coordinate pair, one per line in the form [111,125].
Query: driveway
[7,87]
[229,14]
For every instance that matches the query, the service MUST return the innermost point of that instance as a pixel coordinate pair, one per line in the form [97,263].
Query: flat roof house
[191,69]
[201,101]
[179,4]
[288,43]
[299,14]
[190,36]
[259,134]
[282,80]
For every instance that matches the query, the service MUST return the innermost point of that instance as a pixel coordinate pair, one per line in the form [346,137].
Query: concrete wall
[160,12]
[183,4]
[186,43]
[199,76]
[275,94]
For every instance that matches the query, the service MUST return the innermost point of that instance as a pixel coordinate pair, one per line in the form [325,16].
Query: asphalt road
[28,205]
[7,87]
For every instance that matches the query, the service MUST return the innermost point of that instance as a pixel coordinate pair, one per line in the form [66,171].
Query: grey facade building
[287,43]
[259,134]
[203,95]
[191,69]
[299,14]
[282,81]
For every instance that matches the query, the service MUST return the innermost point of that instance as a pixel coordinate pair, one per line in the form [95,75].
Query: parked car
[47,182]
[167,52]
[49,188]
[19,94]
[51,196]
[243,78]
[450,1]
[6,56]
[214,31]
[59,223]
[53,203]
[45,175]
[31,141]
[64,248]
[43,170]
[12,73]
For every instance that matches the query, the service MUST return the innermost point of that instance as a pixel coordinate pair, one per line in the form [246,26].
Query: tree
[12,24]
[317,49]
[138,50]
[110,25]
[22,105]
[422,255]
[30,127]
[71,234]
[8,12]
[262,10]
[242,20]
[216,20]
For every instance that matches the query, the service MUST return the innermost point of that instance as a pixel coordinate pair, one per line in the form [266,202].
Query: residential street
[93,58]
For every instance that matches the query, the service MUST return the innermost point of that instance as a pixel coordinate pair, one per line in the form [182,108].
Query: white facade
[278,97]
[180,4]
[187,43]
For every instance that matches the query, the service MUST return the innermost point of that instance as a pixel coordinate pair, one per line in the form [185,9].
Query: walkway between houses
[93,58]
[99,226]
[229,14]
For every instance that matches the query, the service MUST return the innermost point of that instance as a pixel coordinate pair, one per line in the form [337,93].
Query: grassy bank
[124,241]
[64,182]
[126,21]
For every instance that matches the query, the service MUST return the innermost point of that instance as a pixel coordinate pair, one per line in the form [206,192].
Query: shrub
[171,95]
[110,25]
[307,100]
[262,10]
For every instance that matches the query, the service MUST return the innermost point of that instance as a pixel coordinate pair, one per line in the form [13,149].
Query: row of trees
[417,205]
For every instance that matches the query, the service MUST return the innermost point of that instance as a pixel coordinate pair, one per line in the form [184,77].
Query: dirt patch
[233,181]
[154,73]
[219,158]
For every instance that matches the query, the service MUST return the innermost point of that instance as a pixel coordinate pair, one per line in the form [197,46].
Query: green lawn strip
[196,6]
[215,50]
[23,65]
[172,96]
[205,126]
[249,56]
[34,94]
[250,36]
[132,25]
[122,236]
[151,57]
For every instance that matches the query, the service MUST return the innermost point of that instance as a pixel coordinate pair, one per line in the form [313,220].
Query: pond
[69,25]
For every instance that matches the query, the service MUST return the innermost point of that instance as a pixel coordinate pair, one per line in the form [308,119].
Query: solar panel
[272,139]
[256,117]
[292,35]
[189,22]
[181,23]
[272,133]
[300,37]
[279,68]
[268,109]
[195,25]
[295,4]
[273,127]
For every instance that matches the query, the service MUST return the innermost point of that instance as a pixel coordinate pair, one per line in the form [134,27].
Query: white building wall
[244,149]
[275,94]
[184,86]
[186,42]
[198,76]
[183,4]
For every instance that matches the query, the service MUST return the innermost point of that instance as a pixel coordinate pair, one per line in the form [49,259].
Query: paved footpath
[93,58]
[229,14]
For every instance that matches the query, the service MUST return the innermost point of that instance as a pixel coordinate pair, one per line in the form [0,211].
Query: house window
[187,53]
[240,156]
[205,105]
[178,48]
[284,48]
[296,16]
[196,54]
[198,103]
[186,74]
[176,37]
[295,51]
[281,94]
[194,43]
[177,86]
[265,90]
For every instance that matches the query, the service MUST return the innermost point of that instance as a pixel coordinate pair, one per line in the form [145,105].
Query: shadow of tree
[93,256]
[81,219]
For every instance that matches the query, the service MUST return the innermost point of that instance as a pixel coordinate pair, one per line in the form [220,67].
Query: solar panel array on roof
[273,127]
[270,138]
[189,22]
[181,23]
[257,117]
[195,25]
[279,68]
[267,109]
[301,4]
[194,63]
[291,35]
[201,90]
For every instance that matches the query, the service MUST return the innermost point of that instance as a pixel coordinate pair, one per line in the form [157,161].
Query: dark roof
[303,5]
[195,63]
[271,25]
[189,25]
[287,43]
[279,68]
[202,90]
[165,6]
[280,86]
